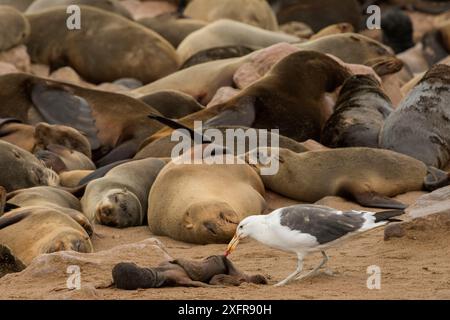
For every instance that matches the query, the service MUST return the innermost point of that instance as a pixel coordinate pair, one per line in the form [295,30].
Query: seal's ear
[58,105]
[436,179]
[385,65]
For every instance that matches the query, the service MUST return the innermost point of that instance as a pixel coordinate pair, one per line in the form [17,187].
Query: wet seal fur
[359,114]
[420,126]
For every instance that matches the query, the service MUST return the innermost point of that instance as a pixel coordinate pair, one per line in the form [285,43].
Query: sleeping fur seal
[369,176]
[20,169]
[133,50]
[194,202]
[359,114]
[32,231]
[119,199]
[420,126]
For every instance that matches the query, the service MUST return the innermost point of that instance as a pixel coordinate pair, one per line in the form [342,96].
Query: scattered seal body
[119,199]
[359,114]
[420,126]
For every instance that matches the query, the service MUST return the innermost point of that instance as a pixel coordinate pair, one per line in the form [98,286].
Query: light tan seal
[119,199]
[133,50]
[203,203]
[369,176]
[254,12]
[32,231]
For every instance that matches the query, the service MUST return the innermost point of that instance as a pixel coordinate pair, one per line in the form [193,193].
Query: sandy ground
[416,266]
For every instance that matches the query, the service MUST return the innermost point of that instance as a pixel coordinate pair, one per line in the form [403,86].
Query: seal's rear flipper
[385,65]
[375,200]
[8,262]
[128,276]
[436,179]
[179,126]
[58,105]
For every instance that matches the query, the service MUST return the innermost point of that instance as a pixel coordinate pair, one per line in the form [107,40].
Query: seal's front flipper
[13,219]
[179,126]
[2,200]
[8,262]
[436,179]
[58,105]
[375,200]
[242,114]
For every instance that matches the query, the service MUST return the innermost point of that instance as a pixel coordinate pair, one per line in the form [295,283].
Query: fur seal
[72,179]
[172,103]
[253,12]
[318,14]
[369,176]
[194,202]
[112,6]
[133,50]
[291,97]
[14,28]
[224,33]
[420,126]
[359,114]
[114,124]
[20,169]
[8,262]
[32,231]
[172,29]
[119,199]
[213,270]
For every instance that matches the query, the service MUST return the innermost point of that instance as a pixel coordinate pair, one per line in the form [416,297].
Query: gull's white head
[246,228]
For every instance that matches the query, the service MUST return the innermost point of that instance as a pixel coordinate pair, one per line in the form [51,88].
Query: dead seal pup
[420,126]
[359,114]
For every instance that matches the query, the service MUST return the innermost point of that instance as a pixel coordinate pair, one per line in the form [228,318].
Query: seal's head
[69,240]
[210,222]
[119,208]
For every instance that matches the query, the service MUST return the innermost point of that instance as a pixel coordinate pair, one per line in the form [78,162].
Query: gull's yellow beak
[232,245]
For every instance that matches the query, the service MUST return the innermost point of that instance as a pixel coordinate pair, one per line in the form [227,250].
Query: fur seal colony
[100,128]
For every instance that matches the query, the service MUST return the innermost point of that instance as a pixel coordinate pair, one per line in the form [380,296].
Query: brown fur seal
[420,126]
[319,13]
[253,12]
[359,114]
[369,176]
[213,270]
[224,33]
[114,124]
[133,50]
[32,231]
[172,104]
[112,6]
[194,202]
[291,97]
[172,29]
[14,28]
[20,169]
[119,199]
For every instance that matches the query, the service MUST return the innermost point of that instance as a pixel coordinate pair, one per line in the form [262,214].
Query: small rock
[17,56]
[6,68]
[394,231]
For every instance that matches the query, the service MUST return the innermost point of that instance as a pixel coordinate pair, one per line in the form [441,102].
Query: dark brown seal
[359,114]
[214,270]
